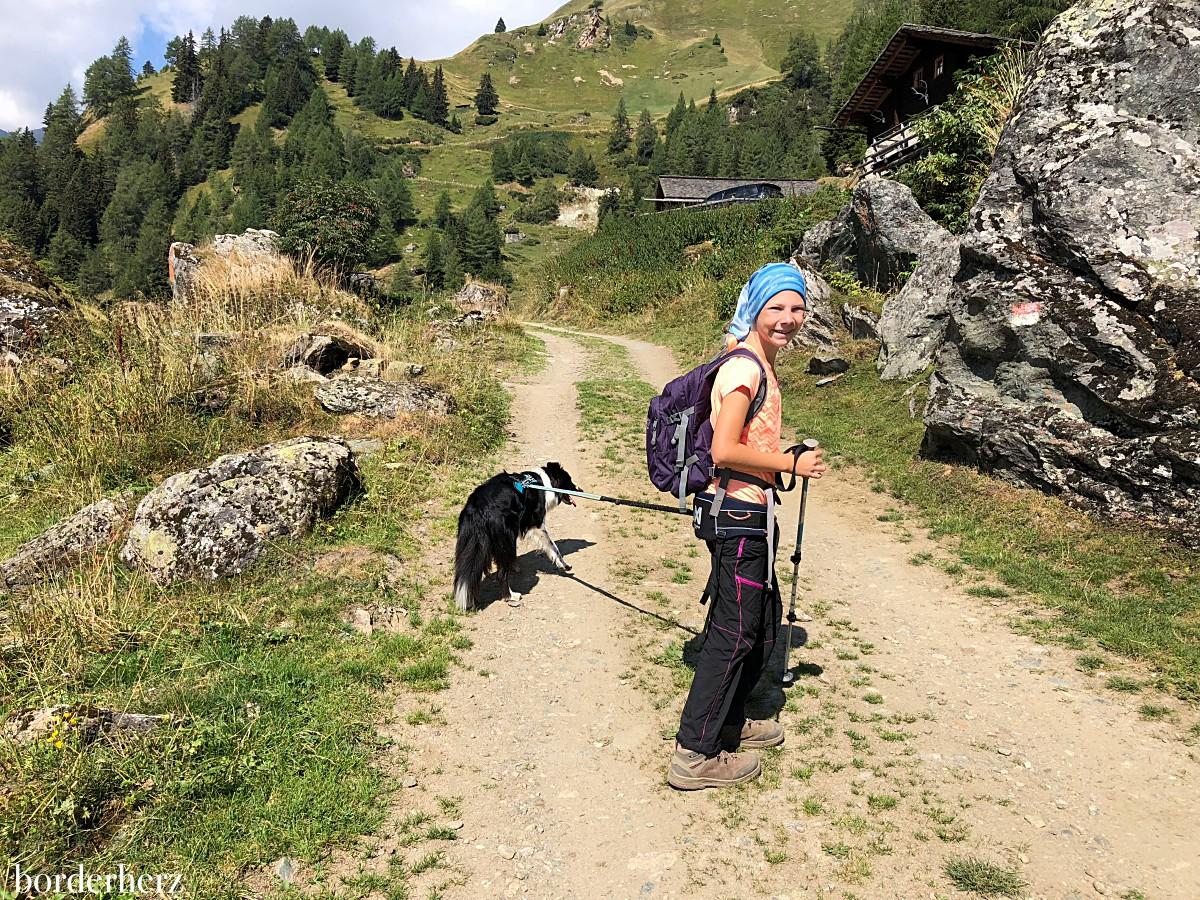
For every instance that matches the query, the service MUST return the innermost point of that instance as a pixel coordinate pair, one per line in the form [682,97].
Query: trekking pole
[620,501]
[788,675]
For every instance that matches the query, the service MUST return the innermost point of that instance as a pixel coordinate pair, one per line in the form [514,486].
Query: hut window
[918,77]
[939,67]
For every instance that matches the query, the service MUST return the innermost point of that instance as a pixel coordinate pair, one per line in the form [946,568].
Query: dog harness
[520,482]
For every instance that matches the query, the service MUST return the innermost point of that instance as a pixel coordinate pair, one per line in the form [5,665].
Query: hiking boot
[691,771]
[756,734]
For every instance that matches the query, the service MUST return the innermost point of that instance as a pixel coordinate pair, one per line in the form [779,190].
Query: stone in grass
[31,725]
[213,522]
[378,399]
[285,869]
[827,364]
[61,546]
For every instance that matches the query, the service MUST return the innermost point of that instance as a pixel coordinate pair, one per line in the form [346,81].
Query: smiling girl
[746,611]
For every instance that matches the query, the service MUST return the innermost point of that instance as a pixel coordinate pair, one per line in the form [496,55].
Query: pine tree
[439,100]
[188,81]
[443,214]
[485,199]
[583,169]
[630,30]
[618,137]
[435,261]
[109,78]
[21,195]
[486,98]
[716,39]
[501,165]
[66,255]
[143,272]
[522,171]
[452,268]
[500,27]
[395,198]
[541,31]
[422,106]
[148,68]
[332,53]
[198,225]
[646,138]
[674,117]
[481,244]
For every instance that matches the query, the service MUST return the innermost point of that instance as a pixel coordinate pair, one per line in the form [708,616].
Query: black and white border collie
[498,513]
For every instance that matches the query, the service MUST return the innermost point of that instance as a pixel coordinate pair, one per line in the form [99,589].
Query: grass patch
[1123,684]
[978,876]
[1154,713]
[881,802]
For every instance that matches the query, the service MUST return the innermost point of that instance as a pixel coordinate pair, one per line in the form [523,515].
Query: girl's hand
[810,464]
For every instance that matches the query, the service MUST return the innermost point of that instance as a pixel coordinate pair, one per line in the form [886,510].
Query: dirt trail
[923,729]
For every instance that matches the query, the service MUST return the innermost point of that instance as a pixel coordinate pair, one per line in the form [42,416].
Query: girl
[746,611]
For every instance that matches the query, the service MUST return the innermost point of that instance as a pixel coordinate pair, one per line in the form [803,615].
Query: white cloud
[46,43]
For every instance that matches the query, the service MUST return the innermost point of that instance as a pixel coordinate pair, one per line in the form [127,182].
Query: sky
[44,44]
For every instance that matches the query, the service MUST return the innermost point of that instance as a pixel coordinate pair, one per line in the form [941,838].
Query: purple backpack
[679,434]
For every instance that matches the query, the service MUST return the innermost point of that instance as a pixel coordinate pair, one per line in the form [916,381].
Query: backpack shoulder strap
[760,396]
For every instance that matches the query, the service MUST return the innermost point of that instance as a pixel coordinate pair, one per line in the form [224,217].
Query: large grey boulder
[880,234]
[62,545]
[1073,354]
[253,247]
[491,300]
[212,522]
[912,326]
[819,329]
[379,399]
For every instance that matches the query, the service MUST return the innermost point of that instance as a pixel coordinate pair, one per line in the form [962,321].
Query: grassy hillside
[537,76]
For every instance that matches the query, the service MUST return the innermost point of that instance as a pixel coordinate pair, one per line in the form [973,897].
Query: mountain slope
[673,52]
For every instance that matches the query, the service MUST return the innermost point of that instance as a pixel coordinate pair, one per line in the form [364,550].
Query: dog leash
[619,501]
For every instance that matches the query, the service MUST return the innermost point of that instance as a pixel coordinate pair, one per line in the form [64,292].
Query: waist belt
[724,475]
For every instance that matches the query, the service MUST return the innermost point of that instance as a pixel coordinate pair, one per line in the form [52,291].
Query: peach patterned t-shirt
[762,433]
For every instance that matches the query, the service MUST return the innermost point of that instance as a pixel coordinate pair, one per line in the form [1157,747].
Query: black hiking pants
[742,626]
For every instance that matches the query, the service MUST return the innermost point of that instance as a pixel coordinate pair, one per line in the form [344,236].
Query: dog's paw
[514,600]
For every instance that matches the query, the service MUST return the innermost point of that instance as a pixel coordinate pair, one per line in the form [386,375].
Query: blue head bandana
[758,291]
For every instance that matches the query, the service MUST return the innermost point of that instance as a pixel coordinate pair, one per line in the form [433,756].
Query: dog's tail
[472,556]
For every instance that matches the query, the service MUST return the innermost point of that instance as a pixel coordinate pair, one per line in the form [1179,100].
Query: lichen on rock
[1073,352]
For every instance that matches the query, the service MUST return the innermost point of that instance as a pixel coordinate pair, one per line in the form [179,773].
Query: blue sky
[46,43]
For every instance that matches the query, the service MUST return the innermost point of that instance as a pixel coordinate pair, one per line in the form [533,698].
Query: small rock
[1100,887]
[285,869]
[506,852]
[304,375]
[456,825]
[827,364]
[1035,821]
[410,781]
[364,447]
[1060,804]
[830,380]
[1004,751]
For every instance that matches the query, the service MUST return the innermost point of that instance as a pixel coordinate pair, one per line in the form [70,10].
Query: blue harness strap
[521,482]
